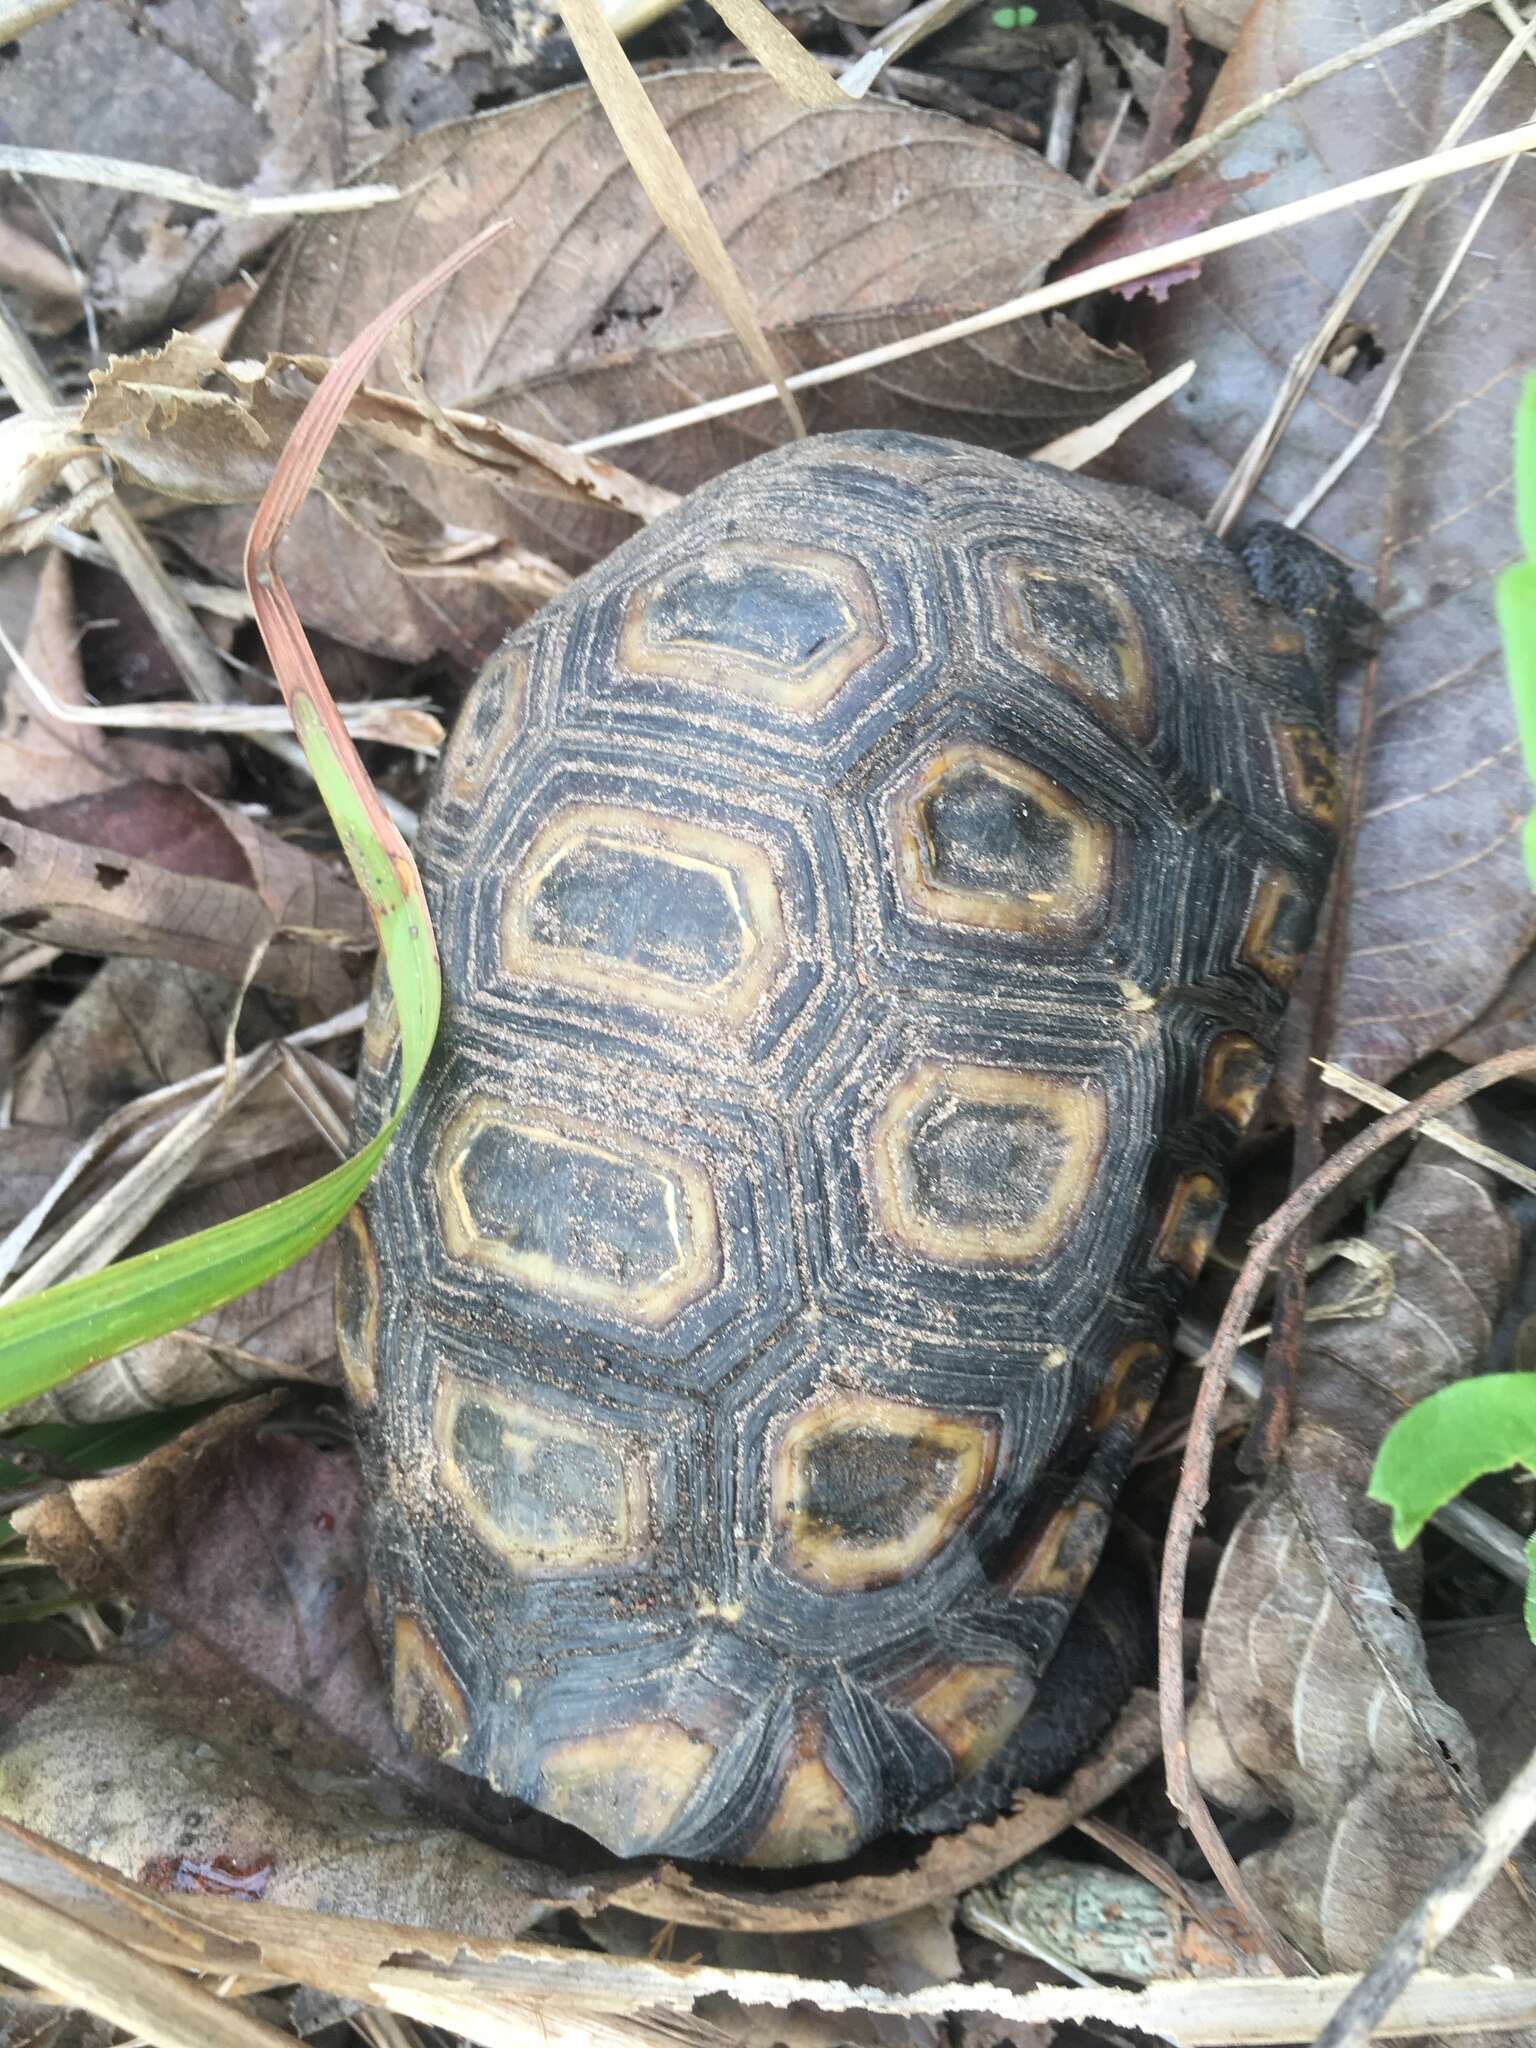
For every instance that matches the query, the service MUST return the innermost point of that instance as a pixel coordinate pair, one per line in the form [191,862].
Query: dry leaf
[45,760]
[247,1539]
[154,870]
[1315,1697]
[263,95]
[1155,218]
[1440,908]
[848,226]
[195,1780]
[669,185]
[136,1025]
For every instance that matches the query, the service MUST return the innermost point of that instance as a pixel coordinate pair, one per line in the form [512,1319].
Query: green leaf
[1455,1436]
[1525,469]
[47,1337]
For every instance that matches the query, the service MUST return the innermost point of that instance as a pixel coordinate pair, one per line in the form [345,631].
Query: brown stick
[1194,1481]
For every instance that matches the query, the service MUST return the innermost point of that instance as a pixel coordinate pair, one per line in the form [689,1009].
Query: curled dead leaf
[1315,1697]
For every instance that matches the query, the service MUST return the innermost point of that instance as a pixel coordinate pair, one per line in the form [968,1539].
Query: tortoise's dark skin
[867,902]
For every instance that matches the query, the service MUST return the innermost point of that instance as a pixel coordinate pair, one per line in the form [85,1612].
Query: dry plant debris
[198,1702]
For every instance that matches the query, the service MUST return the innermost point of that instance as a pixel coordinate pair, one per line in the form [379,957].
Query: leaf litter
[219,1577]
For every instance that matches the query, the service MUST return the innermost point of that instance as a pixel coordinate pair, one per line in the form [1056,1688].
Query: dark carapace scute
[866,905]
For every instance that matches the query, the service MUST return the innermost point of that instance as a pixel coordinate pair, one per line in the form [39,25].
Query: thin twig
[1095,176]
[1200,146]
[1498,1832]
[1082,444]
[182,190]
[1194,1479]
[222,599]
[1064,103]
[1304,365]
[1098,277]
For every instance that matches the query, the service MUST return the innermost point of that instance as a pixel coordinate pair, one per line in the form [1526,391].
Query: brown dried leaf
[1314,1694]
[1440,909]
[849,226]
[151,869]
[261,95]
[249,1540]
[45,760]
[136,1025]
[194,1781]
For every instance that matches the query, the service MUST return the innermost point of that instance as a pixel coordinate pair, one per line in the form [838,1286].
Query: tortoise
[866,901]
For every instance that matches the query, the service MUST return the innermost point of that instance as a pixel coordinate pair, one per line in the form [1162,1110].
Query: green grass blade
[47,1337]
[1525,469]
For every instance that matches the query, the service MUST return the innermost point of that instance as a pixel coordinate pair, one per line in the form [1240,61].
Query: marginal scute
[1308,770]
[625,1785]
[641,907]
[578,1211]
[494,717]
[812,1820]
[1081,631]
[866,1491]
[777,624]
[1190,1223]
[546,1493]
[1128,1388]
[1234,1077]
[1279,924]
[986,840]
[975,1164]
[357,1307]
[972,1709]
[430,1709]
[1059,1558]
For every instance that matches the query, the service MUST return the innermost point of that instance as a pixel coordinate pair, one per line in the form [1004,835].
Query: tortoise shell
[866,904]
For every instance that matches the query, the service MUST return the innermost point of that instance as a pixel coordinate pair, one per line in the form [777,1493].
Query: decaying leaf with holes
[1315,1698]
[865,904]
[154,870]
[849,227]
